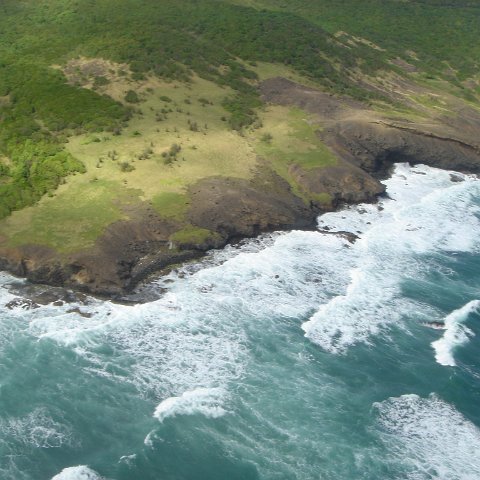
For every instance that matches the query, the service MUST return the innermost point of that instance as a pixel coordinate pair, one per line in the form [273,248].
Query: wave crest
[456,333]
[80,472]
[204,401]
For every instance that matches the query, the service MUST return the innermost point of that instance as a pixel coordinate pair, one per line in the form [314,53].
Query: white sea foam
[204,401]
[80,472]
[148,441]
[353,317]
[36,429]
[128,459]
[162,347]
[392,237]
[11,321]
[197,335]
[429,438]
[456,333]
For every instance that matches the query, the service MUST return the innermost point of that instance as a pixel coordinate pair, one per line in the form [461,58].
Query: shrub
[132,97]
[126,167]
[100,82]
[267,138]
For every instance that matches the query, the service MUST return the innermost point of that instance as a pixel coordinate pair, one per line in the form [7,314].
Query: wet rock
[80,312]
[46,294]
[349,236]
[23,303]
[454,177]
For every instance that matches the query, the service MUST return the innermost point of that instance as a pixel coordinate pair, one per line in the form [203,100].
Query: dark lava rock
[24,303]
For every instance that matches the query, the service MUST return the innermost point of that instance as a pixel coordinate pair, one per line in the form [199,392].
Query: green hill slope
[441,36]
[115,110]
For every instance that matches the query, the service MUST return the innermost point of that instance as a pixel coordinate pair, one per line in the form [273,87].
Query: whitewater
[350,352]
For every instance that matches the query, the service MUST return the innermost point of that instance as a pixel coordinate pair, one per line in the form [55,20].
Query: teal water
[293,356]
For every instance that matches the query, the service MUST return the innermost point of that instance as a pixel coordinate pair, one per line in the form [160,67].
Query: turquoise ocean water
[293,356]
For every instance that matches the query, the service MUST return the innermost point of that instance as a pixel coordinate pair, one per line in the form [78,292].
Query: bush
[100,82]
[132,97]
[267,138]
[126,167]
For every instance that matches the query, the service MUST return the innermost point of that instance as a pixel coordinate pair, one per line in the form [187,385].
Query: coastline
[365,143]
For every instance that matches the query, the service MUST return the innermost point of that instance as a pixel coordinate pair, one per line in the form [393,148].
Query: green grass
[213,150]
[323,198]
[81,209]
[399,112]
[266,70]
[192,235]
[86,204]
[72,219]
[171,205]
[294,141]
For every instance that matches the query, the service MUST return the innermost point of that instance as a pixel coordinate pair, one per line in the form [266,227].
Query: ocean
[297,355]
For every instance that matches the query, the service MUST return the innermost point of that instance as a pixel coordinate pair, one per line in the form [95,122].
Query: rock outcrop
[375,146]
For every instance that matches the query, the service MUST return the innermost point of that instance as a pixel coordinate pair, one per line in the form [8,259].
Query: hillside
[137,134]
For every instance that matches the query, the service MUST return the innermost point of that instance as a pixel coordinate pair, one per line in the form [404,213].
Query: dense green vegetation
[39,110]
[441,33]
[217,40]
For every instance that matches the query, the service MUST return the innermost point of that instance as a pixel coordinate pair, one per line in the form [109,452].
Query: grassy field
[289,136]
[137,165]
[266,70]
[72,219]
[187,115]
[192,234]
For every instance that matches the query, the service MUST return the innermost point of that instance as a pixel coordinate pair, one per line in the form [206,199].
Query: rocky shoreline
[365,143]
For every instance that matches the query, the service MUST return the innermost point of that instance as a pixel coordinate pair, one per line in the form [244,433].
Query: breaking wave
[78,473]
[456,333]
[204,401]
[392,239]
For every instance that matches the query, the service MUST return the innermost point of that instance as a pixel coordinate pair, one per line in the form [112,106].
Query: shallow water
[294,356]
